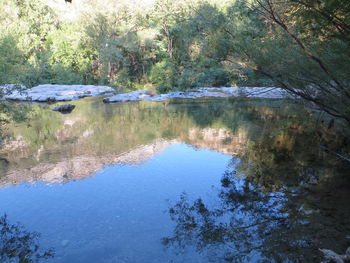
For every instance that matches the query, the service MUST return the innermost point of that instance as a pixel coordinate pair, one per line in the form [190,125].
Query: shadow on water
[19,245]
[281,199]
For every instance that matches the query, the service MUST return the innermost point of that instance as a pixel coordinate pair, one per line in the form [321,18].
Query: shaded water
[218,180]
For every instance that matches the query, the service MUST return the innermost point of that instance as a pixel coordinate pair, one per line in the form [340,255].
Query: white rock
[49,92]
[130,96]
[225,92]
[8,89]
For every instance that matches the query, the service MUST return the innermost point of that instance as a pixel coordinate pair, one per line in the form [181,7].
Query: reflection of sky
[118,215]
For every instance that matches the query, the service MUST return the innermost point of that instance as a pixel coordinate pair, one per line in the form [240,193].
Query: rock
[225,92]
[49,92]
[331,256]
[65,108]
[313,180]
[130,96]
[8,89]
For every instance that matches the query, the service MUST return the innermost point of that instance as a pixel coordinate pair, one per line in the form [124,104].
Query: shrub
[213,77]
[163,75]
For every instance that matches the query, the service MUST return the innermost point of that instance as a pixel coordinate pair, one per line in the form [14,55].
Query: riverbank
[223,92]
[52,93]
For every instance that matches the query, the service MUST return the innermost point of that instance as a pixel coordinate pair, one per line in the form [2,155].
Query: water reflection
[19,245]
[277,203]
[55,148]
[118,215]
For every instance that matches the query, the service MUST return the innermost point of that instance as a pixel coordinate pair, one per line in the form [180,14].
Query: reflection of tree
[235,228]
[19,245]
[289,202]
[11,113]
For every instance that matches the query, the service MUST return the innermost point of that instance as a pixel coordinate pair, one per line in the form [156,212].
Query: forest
[301,46]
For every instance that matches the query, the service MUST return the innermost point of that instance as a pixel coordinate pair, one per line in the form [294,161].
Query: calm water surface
[204,181]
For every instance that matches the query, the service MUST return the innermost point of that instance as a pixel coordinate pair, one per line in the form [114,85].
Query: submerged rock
[65,108]
[49,92]
[225,92]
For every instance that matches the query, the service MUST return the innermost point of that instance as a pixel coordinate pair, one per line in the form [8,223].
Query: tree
[298,52]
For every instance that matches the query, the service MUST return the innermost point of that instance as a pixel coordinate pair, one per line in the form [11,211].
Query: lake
[219,180]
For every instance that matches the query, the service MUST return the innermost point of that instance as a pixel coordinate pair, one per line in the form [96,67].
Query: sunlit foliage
[298,45]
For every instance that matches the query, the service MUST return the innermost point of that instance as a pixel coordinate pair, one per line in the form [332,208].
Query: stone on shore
[50,92]
[225,92]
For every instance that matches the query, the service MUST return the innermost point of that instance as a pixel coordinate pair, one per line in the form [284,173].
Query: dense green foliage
[298,45]
[170,45]
[305,50]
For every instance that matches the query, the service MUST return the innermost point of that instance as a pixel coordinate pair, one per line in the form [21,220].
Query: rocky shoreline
[53,93]
[224,92]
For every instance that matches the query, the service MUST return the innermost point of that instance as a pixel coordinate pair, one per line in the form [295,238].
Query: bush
[65,76]
[187,80]
[164,76]
[11,60]
[124,80]
[213,77]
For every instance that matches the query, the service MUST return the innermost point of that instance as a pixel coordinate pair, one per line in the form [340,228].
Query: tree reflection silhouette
[19,245]
[269,209]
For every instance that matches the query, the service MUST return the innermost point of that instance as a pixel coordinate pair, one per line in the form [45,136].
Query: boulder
[65,108]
